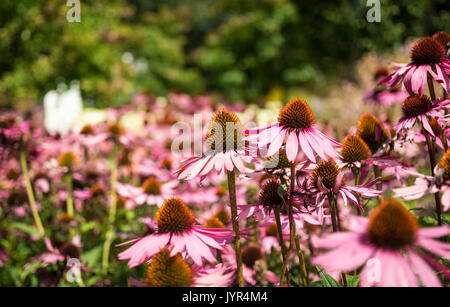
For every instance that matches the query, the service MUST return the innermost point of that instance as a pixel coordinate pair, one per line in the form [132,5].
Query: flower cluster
[188,191]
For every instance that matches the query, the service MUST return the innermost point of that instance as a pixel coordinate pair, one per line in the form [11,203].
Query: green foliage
[241,49]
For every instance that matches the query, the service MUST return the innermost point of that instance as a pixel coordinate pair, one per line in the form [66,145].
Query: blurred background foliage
[241,50]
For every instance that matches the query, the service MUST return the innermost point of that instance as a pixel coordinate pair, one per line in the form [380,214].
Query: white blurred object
[62,108]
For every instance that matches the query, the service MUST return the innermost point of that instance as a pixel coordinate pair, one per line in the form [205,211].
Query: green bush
[240,49]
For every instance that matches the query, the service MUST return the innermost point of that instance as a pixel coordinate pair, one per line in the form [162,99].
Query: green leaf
[26,228]
[352,281]
[92,257]
[33,266]
[327,280]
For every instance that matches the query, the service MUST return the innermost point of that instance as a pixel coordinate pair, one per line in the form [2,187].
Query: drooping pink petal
[426,274]
[347,257]
[305,146]
[292,146]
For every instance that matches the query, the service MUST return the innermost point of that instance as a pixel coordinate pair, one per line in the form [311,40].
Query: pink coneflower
[177,229]
[416,109]
[379,96]
[388,244]
[166,270]
[295,127]
[225,149]
[269,237]
[270,197]
[427,58]
[254,268]
[89,136]
[419,136]
[327,179]
[152,191]
[372,131]
[54,255]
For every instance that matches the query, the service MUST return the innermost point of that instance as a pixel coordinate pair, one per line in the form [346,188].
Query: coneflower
[372,131]
[151,191]
[166,270]
[391,236]
[177,229]
[225,152]
[295,128]
[417,108]
[428,62]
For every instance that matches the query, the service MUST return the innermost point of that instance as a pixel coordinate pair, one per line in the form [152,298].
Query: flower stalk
[293,234]
[112,212]
[282,246]
[30,195]
[437,199]
[233,204]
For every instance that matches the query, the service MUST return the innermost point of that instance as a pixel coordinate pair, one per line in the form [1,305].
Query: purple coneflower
[295,127]
[417,109]
[177,228]
[388,244]
[427,59]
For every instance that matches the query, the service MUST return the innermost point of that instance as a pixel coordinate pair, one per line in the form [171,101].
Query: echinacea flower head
[380,72]
[115,130]
[225,131]
[174,217]
[223,216]
[252,258]
[428,59]
[295,128]
[67,159]
[372,131]
[279,161]
[416,105]
[168,271]
[417,108]
[152,186]
[269,197]
[391,225]
[327,178]
[296,115]
[87,130]
[354,149]
[225,150]
[177,229]
[270,194]
[326,172]
[250,254]
[392,238]
[427,51]
[272,230]
[444,165]
[152,192]
[214,222]
[442,37]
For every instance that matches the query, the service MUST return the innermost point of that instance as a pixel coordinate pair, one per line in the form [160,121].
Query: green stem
[282,246]
[357,174]
[69,201]
[444,139]
[332,212]
[112,213]
[431,87]
[37,219]
[437,199]
[293,233]
[336,225]
[237,241]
